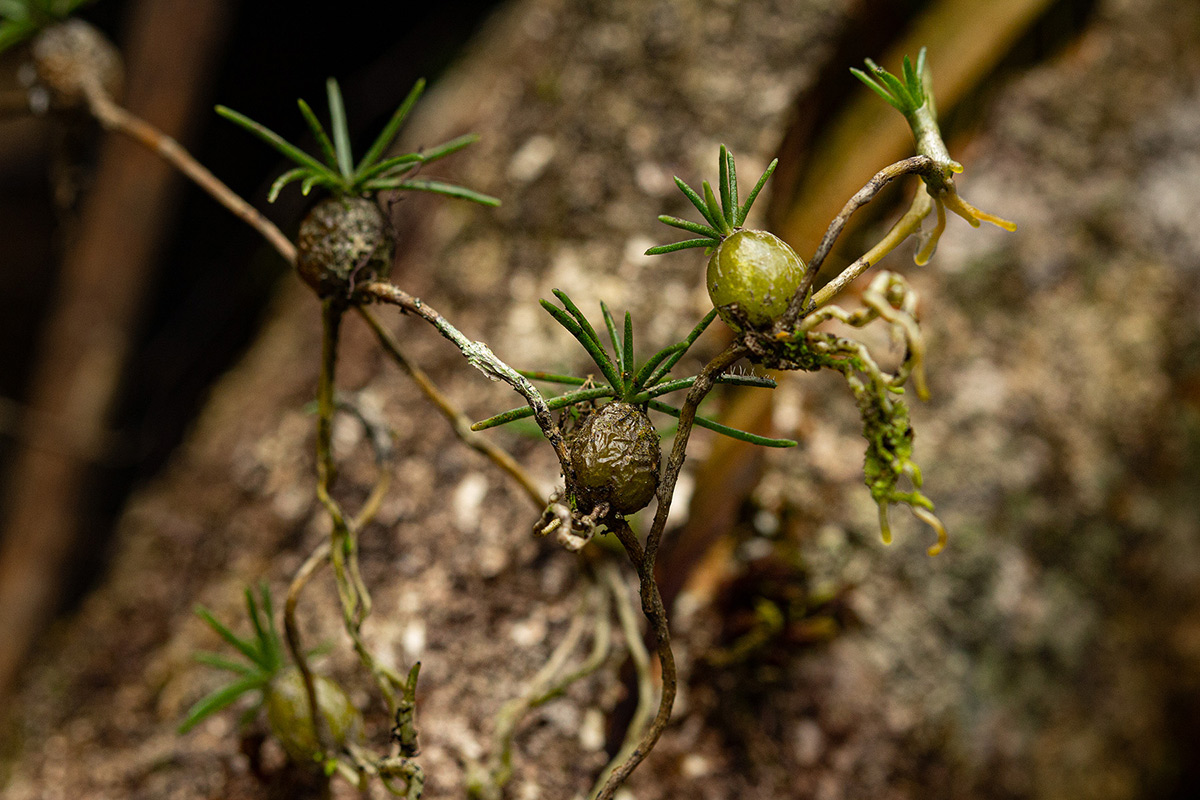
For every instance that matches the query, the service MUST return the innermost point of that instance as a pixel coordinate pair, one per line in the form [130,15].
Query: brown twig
[652,604]
[917,164]
[114,117]
[459,422]
[478,355]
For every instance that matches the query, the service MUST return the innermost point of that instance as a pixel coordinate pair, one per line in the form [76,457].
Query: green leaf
[612,329]
[697,201]
[686,383]
[221,698]
[283,180]
[582,330]
[874,86]
[666,366]
[274,644]
[643,376]
[388,134]
[671,248]
[243,646]
[733,433]
[723,185]
[732,209]
[390,169]
[579,316]
[550,377]
[331,181]
[744,211]
[449,190]
[627,354]
[318,131]
[221,662]
[717,215]
[272,138]
[561,401]
[687,225]
[449,148]
[341,131]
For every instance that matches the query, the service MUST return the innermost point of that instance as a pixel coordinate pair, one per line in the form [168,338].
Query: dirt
[1049,652]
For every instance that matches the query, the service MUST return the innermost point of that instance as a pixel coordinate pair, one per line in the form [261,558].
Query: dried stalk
[113,117]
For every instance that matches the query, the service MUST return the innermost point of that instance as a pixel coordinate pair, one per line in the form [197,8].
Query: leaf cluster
[263,654]
[624,379]
[723,217]
[21,19]
[905,95]
[336,169]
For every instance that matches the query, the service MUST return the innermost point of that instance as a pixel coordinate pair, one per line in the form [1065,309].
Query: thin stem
[114,117]
[459,422]
[292,632]
[907,225]
[652,604]
[863,196]
[611,576]
[478,355]
[547,684]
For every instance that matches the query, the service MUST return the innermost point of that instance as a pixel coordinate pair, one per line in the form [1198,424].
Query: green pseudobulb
[752,276]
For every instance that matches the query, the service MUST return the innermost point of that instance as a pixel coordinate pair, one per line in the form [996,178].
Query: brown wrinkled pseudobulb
[343,241]
[616,456]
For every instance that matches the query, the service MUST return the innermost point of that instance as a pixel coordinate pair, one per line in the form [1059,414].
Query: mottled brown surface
[1051,651]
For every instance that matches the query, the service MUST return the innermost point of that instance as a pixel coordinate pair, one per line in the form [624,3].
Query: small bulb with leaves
[346,239]
[614,454]
[282,688]
[752,274]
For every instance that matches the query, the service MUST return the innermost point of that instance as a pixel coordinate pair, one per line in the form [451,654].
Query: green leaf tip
[722,212]
[335,170]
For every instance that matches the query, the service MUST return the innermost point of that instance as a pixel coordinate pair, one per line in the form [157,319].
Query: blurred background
[1053,652]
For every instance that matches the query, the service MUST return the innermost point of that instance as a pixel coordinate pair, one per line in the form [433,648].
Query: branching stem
[644,560]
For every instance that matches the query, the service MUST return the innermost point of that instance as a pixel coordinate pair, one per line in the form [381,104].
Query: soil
[1051,651]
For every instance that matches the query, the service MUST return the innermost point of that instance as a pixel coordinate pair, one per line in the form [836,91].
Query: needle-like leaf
[283,180]
[612,330]
[666,366]
[723,185]
[688,225]
[221,698]
[243,646]
[341,131]
[389,132]
[697,201]
[550,377]
[553,403]
[671,248]
[278,142]
[588,339]
[744,211]
[450,190]
[318,131]
[733,433]
[627,354]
